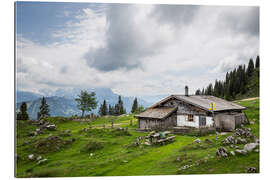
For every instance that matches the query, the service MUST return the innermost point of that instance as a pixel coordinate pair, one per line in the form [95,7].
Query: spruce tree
[257,62]
[134,106]
[43,110]
[198,92]
[250,68]
[105,108]
[22,115]
[110,110]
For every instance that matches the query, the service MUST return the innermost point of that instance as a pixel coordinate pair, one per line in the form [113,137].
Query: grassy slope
[116,159]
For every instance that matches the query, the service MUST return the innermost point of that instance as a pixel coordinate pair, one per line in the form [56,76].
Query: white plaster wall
[209,121]
[182,120]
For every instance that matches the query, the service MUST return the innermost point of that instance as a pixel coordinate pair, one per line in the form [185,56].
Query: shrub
[92,145]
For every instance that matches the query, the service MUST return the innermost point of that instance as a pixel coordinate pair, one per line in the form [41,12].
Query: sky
[135,50]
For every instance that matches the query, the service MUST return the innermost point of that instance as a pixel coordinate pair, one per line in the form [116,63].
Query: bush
[92,145]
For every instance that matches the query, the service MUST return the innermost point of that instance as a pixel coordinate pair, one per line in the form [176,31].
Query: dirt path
[249,99]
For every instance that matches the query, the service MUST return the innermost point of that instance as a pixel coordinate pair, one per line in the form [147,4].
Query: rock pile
[251,170]
[250,146]
[222,152]
[197,141]
[243,132]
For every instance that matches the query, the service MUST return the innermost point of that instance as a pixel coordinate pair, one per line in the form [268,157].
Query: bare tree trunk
[112,123]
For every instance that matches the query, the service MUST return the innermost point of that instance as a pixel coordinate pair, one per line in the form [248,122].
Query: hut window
[190,117]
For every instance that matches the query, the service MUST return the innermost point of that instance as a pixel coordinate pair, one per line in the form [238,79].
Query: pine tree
[250,68]
[121,109]
[110,110]
[22,115]
[257,62]
[103,109]
[198,92]
[134,106]
[43,110]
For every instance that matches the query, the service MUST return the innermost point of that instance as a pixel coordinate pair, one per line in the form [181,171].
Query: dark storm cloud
[243,20]
[125,44]
[175,14]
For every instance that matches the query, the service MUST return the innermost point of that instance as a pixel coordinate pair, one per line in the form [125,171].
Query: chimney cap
[186,90]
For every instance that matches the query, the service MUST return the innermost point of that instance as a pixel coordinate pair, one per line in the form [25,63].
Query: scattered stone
[39,131]
[230,140]
[232,153]
[125,161]
[241,151]
[42,161]
[91,154]
[256,150]
[222,152]
[242,132]
[185,167]
[241,140]
[31,156]
[232,146]
[32,133]
[68,131]
[178,158]
[251,170]
[51,127]
[39,158]
[250,147]
[257,140]
[197,140]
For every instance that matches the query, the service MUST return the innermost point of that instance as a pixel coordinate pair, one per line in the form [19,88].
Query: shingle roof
[158,113]
[204,102]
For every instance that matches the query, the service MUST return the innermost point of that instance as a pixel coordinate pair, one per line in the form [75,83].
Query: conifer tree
[250,68]
[134,106]
[22,115]
[257,62]
[43,109]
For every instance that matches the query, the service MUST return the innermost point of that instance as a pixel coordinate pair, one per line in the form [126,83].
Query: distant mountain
[63,104]
[154,99]
[26,96]
[58,106]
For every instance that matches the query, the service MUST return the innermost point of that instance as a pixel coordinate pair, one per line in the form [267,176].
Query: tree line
[85,102]
[236,81]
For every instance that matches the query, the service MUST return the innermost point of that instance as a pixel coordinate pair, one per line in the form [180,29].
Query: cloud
[243,20]
[140,49]
[178,15]
[130,38]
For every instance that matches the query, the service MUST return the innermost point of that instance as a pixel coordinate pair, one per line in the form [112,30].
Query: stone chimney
[186,90]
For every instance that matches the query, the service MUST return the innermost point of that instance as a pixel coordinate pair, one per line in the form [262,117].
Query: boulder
[230,140]
[197,140]
[251,170]
[240,151]
[39,158]
[241,140]
[31,156]
[222,152]
[51,127]
[250,146]
[42,161]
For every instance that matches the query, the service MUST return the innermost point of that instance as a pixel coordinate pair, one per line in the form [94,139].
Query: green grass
[108,152]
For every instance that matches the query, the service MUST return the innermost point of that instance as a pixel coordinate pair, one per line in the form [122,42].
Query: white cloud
[136,53]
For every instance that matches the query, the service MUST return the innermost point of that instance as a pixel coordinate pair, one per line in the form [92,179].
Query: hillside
[76,150]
